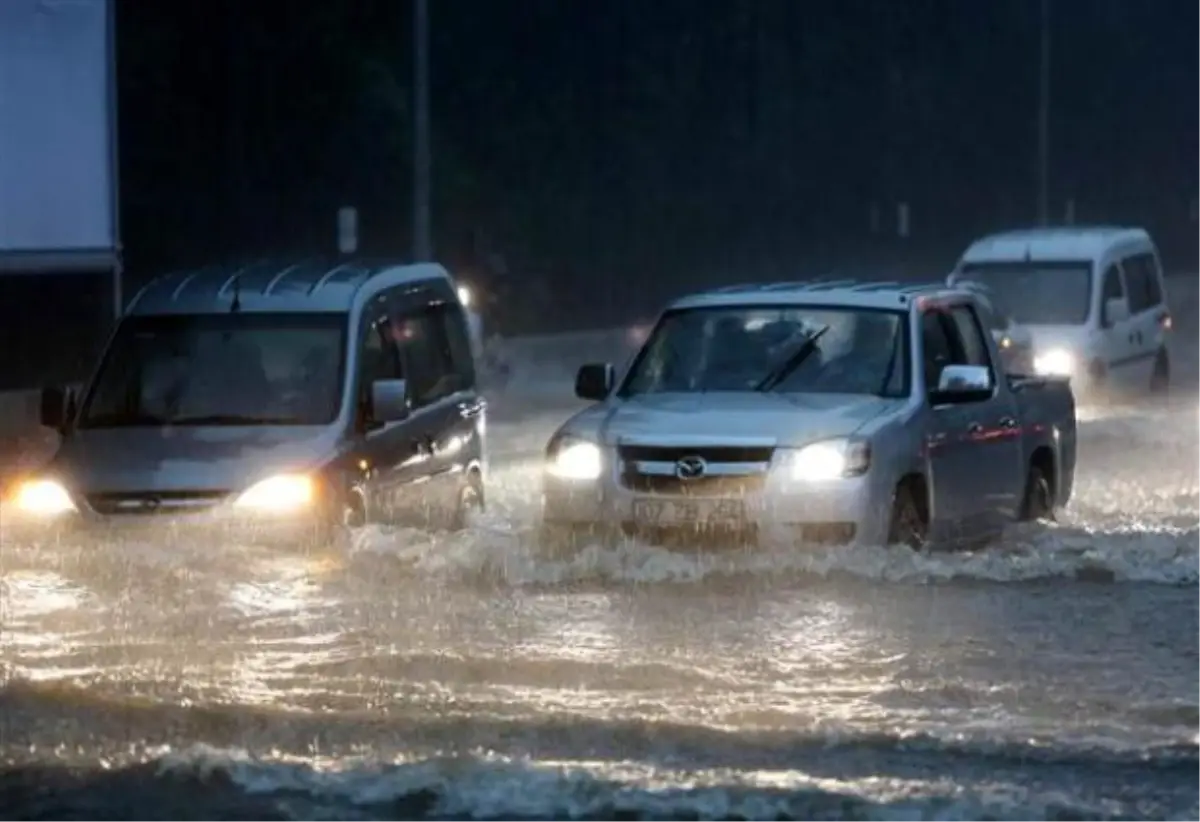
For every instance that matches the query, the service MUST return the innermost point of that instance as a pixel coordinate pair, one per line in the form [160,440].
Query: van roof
[274,286]
[1065,244]
[849,293]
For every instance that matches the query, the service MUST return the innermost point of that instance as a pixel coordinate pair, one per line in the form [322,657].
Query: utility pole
[422,239]
[1044,119]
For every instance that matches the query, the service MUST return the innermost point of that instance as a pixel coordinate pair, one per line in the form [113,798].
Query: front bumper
[222,525]
[769,509]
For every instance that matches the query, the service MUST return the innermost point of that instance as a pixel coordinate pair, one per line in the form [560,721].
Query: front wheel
[1038,502]
[1160,379]
[908,525]
[471,502]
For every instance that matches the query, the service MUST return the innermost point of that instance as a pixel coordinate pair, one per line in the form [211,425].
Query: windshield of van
[749,348]
[1037,293]
[221,369]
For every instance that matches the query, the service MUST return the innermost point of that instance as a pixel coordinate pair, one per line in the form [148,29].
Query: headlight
[831,459]
[42,498]
[1056,363]
[464,296]
[575,459]
[285,492]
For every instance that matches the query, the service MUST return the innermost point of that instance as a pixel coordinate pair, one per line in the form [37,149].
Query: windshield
[1033,293]
[221,369]
[739,348]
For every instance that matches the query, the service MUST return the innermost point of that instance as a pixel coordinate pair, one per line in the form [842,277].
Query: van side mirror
[53,411]
[1116,310]
[389,401]
[594,381]
[962,383]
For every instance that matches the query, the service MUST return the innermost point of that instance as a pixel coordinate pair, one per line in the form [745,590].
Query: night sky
[613,153]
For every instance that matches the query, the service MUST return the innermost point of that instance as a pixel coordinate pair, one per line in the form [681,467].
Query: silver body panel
[973,457]
[184,478]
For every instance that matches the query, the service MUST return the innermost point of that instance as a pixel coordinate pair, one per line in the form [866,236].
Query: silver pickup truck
[809,413]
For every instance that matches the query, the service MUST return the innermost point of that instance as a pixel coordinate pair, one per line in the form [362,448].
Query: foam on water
[492,786]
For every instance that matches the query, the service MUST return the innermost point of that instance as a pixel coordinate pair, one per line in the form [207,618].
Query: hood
[785,419]
[167,459]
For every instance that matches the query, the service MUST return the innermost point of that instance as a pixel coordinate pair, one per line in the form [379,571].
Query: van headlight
[828,459]
[1057,362]
[279,494]
[574,459]
[42,498]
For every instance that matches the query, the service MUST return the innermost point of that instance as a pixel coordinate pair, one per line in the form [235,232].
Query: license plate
[659,512]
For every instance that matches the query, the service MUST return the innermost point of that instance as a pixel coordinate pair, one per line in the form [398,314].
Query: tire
[908,525]
[1160,380]
[1037,503]
[471,501]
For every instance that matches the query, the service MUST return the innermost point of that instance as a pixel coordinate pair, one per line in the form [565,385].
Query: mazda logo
[690,468]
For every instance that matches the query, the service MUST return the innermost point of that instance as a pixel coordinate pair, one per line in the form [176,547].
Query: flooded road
[1051,675]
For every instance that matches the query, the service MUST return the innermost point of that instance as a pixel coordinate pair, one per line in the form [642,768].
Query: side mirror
[962,383]
[52,407]
[594,381]
[1116,310]
[389,401]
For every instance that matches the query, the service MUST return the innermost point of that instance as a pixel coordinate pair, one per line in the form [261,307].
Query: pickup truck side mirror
[962,383]
[594,381]
[1116,309]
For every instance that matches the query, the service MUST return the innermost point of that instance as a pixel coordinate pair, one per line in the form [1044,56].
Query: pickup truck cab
[801,413]
[1092,297]
[288,403]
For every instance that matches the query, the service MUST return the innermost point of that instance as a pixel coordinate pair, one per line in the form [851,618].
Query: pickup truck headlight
[1057,362]
[829,459]
[278,494]
[574,459]
[42,498]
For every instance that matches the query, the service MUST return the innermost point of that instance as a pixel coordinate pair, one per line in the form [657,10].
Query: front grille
[732,470]
[721,486]
[709,453]
[147,503]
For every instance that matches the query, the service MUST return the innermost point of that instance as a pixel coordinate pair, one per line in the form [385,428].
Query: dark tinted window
[1141,279]
[970,334]
[436,352]
[220,369]
[936,349]
[1112,290]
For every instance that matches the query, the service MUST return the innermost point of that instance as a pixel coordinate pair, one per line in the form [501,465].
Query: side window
[1141,281]
[378,357]
[436,353]
[970,335]
[936,351]
[1153,280]
[458,338]
[1111,289]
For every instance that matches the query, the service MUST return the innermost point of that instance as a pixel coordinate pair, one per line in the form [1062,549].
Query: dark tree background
[615,152]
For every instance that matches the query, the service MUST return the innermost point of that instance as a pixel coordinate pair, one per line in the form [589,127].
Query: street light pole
[422,239]
[1044,118]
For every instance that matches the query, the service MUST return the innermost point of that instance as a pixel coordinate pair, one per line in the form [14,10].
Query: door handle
[469,409]
[425,444]
[1008,422]
[975,428]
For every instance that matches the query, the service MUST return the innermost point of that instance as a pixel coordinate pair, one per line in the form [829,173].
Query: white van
[1093,299]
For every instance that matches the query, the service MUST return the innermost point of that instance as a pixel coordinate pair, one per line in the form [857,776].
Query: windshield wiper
[794,360]
[230,419]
